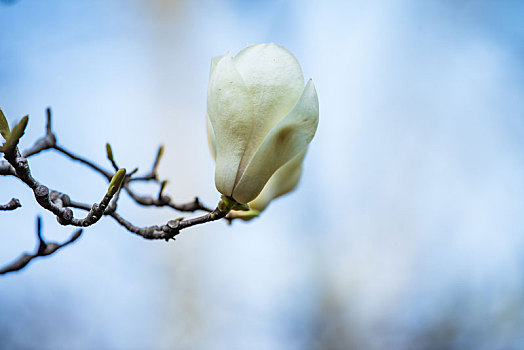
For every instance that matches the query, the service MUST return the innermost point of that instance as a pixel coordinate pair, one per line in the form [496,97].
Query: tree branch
[60,204]
[42,194]
[49,141]
[43,249]
[171,228]
[12,205]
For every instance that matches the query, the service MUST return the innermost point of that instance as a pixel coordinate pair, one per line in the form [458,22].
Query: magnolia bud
[260,117]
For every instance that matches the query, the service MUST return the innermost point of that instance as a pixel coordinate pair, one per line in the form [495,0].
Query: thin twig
[84,161]
[167,231]
[49,141]
[6,169]
[43,249]
[166,201]
[44,143]
[12,205]
[171,228]
[153,173]
[42,194]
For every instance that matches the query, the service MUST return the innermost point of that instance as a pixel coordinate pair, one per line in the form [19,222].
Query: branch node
[42,195]
[66,216]
[66,200]
[173,224]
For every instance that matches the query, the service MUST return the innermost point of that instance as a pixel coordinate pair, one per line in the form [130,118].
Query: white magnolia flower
[260,117]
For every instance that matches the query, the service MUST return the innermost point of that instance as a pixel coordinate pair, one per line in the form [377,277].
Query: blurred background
[406,231]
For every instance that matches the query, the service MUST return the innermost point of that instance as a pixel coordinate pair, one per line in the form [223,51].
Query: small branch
[12,205]
[60,204]
[84,161]
[153,174]
[111,208]
[167,231]
[48,141]
[166,201]
[163,201]
[45,142]
[42,195]
[43,249]
[171,228]
[6,169]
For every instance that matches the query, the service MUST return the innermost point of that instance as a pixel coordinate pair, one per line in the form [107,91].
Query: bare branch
[153,174]
[43,249]
[167,231]
[60,204]
[42,194]
[171,228]
[163,201]
[44,143]
[6,169]
[166,201]
[49,141]
[84,161]
[12,205]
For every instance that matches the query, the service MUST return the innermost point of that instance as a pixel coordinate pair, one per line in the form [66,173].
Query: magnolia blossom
[261,117]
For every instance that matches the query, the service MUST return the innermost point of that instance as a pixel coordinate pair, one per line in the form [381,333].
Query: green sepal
[159,155]
[133,172]
[116,182]
[109,152]
[17,132]
[246,215]
[4,126]
[227,204]
[163,185]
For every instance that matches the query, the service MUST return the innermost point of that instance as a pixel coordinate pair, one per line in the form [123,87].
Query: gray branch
[60,204]
[43,249]
[12,205]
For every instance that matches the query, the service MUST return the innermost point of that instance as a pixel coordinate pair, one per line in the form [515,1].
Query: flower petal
[274,78]
[214,62]
[288,138]
[230,111]
[211,138]
[284,180]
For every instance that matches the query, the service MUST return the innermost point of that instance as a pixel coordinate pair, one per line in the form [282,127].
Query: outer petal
[274,78]
[211,138]
[230,111]
[214,62]
[288,138]
[283,181]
